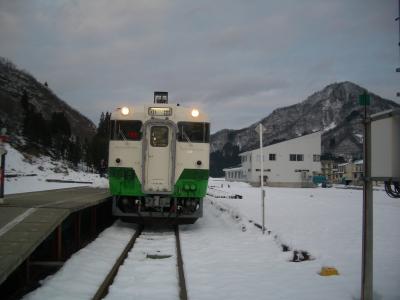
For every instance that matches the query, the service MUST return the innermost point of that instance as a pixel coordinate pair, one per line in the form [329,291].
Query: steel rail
[103,289]
[182,283]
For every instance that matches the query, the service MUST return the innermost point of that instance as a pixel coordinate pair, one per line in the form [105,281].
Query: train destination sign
[160,111]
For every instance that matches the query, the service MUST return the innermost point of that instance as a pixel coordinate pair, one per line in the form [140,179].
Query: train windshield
[194,132]
[126,130]
[159,136]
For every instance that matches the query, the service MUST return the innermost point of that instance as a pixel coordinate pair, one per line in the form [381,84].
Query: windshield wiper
[122,134]
[186,136]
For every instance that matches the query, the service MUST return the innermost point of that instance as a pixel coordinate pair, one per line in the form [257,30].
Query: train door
[158,162]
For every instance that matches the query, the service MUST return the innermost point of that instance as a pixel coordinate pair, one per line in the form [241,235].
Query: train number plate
[160,111]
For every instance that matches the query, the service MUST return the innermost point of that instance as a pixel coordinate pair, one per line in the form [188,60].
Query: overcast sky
[236,60]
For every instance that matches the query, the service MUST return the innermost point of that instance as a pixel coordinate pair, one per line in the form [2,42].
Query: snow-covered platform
[27,219]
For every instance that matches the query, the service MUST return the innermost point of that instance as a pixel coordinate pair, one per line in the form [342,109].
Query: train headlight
[125,110]
[195,113]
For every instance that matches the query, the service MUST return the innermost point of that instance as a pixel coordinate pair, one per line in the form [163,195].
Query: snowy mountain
[13,84]
[334,110]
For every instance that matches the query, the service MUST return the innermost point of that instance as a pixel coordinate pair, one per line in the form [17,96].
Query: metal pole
[398,68]
[59,244]
[2,168]
[262,179]
[3,153]
[367,243]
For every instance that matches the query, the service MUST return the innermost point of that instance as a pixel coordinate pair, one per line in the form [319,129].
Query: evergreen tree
[219,160]
[87,154]
[61,133]
[98,148]
[40,129]
[60,124]
[55,132]
[25,101]
[35,127]
[74,153]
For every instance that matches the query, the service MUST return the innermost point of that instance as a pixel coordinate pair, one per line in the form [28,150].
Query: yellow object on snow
[328,271]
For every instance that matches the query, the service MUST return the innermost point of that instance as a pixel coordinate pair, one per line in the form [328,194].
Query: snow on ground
[324,222]
[83,273]
[44,168]
[143,277]
[226,257]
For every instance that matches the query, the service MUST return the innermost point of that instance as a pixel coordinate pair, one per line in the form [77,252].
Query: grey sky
[237,60]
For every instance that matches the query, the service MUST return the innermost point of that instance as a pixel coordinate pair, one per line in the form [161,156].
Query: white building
[234,174]
[289,163]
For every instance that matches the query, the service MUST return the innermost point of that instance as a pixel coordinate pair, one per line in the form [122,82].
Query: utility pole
[367,217]
[260,129]
[3,153]
[398,68]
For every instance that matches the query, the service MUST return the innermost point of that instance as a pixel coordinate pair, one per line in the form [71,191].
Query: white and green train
[158,162]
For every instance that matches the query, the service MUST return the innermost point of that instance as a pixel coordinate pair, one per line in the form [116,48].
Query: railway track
[150,266]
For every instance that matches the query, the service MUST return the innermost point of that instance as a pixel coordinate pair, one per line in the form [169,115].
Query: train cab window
[193,132]
[159,136]
[126,130]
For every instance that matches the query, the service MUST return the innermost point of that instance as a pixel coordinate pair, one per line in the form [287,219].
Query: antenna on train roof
[161,97]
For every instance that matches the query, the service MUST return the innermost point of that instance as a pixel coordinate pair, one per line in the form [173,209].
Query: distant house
[329,168]
[234,174]
[290,163]
[358,171]
[350,172]
[343,172]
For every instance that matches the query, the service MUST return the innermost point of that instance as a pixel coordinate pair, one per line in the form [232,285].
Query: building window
[296,157]
[272,156]
[316,157]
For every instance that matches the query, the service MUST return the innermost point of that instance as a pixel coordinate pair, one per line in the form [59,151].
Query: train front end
[159,162]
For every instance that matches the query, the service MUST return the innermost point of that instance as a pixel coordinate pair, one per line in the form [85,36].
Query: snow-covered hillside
[28,174]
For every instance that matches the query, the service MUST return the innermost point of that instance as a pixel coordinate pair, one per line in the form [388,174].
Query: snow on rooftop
[330,126]
[360,137]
